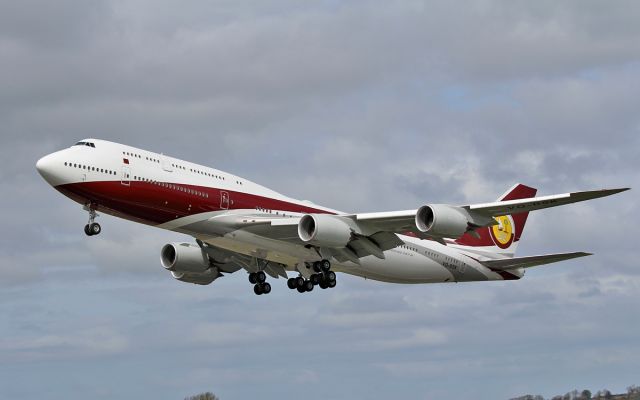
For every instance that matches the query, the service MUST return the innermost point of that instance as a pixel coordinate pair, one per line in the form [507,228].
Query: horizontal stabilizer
[530,261]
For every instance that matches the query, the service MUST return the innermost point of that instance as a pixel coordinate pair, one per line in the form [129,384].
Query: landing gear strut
[324,277]
[92,228]
[260,284]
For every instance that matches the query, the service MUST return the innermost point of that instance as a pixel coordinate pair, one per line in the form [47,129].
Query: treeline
[203,396]
[633,393]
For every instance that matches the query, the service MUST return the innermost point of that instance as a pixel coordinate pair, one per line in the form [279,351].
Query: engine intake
[324,230]
[442,220]
[188,263]
[184,257]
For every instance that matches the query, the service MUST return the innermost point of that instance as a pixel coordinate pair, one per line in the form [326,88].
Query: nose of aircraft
[47,167]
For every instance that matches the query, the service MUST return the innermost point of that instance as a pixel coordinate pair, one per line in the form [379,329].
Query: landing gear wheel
[317,267]
[331,276]
[92,228]
[308,286]
[253,278]
[95,228]
[315,278]
[325,265]
[299,282]
[261,276]
[301,289]
[332,283]
[257,289]
[266,288]
[324,285]
[292,283]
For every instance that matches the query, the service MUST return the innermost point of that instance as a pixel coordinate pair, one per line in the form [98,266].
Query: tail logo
[503,233]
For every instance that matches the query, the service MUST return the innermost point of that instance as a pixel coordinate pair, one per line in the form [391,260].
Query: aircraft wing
[360,240]
[353,236]
[402,221]
[537,203]
[530,261]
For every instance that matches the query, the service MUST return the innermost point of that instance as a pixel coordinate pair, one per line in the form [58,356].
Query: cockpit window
[90,144]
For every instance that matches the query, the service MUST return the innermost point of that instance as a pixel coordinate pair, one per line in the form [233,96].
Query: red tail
[504,237]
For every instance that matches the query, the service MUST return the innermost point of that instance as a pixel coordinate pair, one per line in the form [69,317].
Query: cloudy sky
[360,106]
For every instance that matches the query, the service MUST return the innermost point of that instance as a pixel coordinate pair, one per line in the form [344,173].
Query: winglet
[606,192]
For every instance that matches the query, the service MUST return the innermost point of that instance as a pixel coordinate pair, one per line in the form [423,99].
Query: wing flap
[530,261]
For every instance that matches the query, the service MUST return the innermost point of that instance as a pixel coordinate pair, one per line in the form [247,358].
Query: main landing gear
[92,228]
[324,277]
[260,284]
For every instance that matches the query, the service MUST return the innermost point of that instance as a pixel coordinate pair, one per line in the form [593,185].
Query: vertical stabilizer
[504,237]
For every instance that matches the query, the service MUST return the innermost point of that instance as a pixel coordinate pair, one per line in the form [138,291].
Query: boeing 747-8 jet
[240,225]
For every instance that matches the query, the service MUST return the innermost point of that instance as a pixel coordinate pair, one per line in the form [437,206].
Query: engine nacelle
[203,278]
[324,230]
[442,220]
[184,257]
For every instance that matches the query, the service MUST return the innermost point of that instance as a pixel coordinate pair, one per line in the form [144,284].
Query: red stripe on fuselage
[157,203]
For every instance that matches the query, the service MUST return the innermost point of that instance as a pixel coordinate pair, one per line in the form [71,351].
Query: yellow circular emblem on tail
[503,233]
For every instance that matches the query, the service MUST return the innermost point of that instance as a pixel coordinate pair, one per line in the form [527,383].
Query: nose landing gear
[92,228]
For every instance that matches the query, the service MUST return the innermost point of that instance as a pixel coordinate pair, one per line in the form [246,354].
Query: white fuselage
[177,195]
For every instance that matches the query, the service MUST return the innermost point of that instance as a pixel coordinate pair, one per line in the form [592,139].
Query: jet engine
[442,220]
[203,278]
[324,230]
[188,263]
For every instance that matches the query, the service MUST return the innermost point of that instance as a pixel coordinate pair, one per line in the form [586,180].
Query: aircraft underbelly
[399,268]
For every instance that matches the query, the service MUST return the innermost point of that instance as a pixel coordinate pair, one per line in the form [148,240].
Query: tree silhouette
[203,396]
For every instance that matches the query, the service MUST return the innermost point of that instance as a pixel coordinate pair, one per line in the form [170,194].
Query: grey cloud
[45,25]
[359,106]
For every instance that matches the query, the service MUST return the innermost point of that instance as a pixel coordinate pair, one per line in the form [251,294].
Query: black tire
[316,266]
[257,289]
[324,285]
[331,276]
[299,282]
[87,231]
[291,283]
[301,289]
[315,278]
[262,277]
[308,286]
[325,265]
[266,288]
[332,284]
[253,278]
[95,228]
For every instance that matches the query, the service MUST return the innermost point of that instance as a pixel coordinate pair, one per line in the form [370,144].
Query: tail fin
[504,237]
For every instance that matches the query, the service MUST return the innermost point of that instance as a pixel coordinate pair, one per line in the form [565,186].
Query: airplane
[240,225]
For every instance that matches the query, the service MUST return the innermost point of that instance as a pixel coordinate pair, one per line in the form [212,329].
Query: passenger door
[126,175]
[224,200]
[166,163]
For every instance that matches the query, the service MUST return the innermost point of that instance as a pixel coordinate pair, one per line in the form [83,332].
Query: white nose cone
[49,169]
